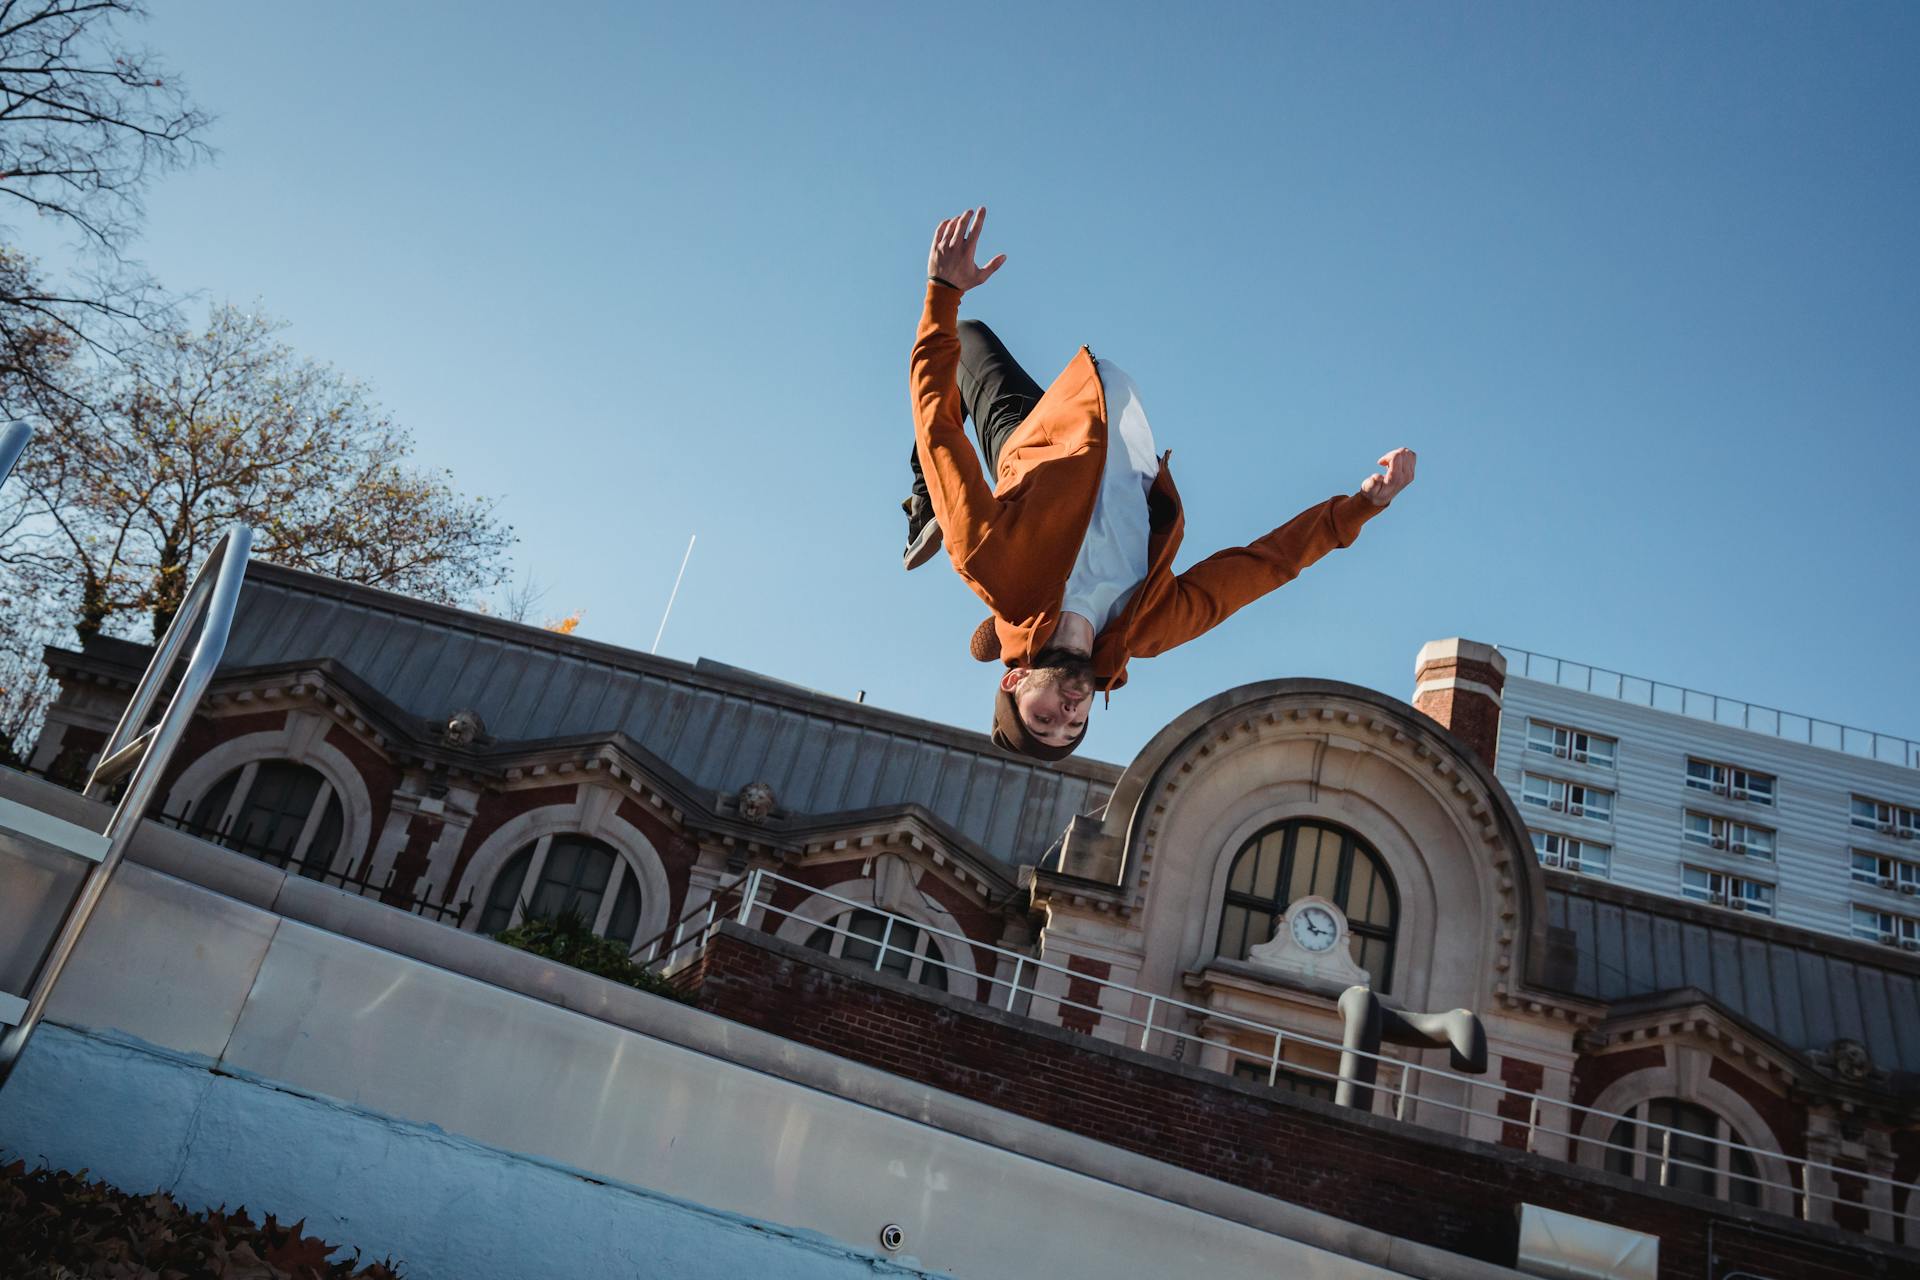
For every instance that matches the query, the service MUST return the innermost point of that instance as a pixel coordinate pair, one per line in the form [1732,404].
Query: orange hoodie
[1015,543]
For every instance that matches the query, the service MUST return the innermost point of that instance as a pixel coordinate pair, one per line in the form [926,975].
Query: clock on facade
[1310,944]
[1314,927]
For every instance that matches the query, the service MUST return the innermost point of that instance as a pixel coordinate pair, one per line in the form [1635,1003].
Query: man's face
[1053,703]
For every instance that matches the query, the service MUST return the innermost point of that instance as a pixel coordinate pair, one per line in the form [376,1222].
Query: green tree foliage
[568,936]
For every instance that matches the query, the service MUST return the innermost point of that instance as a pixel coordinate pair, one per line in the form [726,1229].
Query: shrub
[568,936]
[60,1226]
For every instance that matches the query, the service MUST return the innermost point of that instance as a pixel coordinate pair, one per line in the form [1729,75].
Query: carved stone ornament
[754,802]
[1851,1061]
[1311,943]
[463,729]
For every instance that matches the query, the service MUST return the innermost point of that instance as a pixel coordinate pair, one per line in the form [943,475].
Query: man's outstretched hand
[1384,488]
[954,244]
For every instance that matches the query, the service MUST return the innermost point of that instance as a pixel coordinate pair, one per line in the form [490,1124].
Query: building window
[1886,873]
[1732,892]
[1731,781]
[1570,798]
[1300,1082]
[856,935]
[1886,927]
[1302,859]
[1577,745]
[277,811]
[1888,819]
[1568,854]
[1723,833]
[566,874]
[1689,1146]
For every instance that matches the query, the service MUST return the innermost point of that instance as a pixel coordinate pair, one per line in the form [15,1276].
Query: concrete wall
[309,1053]
[440,1205]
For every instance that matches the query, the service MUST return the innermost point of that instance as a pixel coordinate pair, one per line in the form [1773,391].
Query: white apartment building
[1713,799]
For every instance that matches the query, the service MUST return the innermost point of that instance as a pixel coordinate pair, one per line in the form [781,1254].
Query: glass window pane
[1306,862]
[1742,1184]
[1370,954]
[625,920]
[1326,875]
[213,806]
[1624,1139]
[275,810]
[1233,932]
[1240,880]
[1266,880]
[574,878]
[932,972]
[326,841]
[506,891]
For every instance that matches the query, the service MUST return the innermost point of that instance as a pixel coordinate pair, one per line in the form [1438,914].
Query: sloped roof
[718,726]
[1804,989]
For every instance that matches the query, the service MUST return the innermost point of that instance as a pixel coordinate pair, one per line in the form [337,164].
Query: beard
[1054,666]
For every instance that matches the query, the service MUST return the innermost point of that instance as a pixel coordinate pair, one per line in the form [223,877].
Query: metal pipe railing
[209,605]
[1537,1107]
[13,442]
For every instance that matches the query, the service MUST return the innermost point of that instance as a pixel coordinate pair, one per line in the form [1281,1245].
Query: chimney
[1458,683]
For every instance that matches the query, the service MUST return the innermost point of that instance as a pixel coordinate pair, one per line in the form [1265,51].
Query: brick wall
[1439,1190]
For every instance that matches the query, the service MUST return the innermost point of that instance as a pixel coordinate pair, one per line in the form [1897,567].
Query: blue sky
[1639,282]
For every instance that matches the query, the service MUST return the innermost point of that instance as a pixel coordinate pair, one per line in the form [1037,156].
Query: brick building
[1150,956]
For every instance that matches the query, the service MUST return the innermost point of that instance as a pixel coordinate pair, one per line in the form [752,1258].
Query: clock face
[1314,928]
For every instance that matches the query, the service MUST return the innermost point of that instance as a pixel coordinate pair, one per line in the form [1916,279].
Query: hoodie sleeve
[1214,589]
[963,501]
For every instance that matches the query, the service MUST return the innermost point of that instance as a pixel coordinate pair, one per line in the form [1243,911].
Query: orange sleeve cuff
[1350,512]
[943,305]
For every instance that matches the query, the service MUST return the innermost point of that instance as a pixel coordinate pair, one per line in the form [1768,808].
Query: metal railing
[1733,713]
[316,866]
[139,754]
[13,442]
[1532,1113]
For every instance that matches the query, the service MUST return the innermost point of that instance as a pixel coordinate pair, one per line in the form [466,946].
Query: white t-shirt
[1113,556]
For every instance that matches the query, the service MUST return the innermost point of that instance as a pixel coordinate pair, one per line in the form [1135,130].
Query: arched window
[910,951]
[1693,1163]
[566,873]
[1304,858]
[277,811]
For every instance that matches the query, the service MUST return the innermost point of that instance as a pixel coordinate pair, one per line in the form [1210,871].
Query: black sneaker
[923,532]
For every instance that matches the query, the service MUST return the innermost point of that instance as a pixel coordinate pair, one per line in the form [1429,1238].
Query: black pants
[996,390]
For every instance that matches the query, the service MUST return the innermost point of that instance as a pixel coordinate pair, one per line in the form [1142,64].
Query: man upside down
[1072,544]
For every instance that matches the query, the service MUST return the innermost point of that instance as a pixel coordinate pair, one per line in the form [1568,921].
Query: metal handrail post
[1147,1030]
[880,957]
[214,594]
[13,442]
[748,896]
[217,602]
[1013,988]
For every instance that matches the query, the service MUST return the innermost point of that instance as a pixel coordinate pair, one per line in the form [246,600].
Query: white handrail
[142,754]
[14,438]
[1537,1104]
